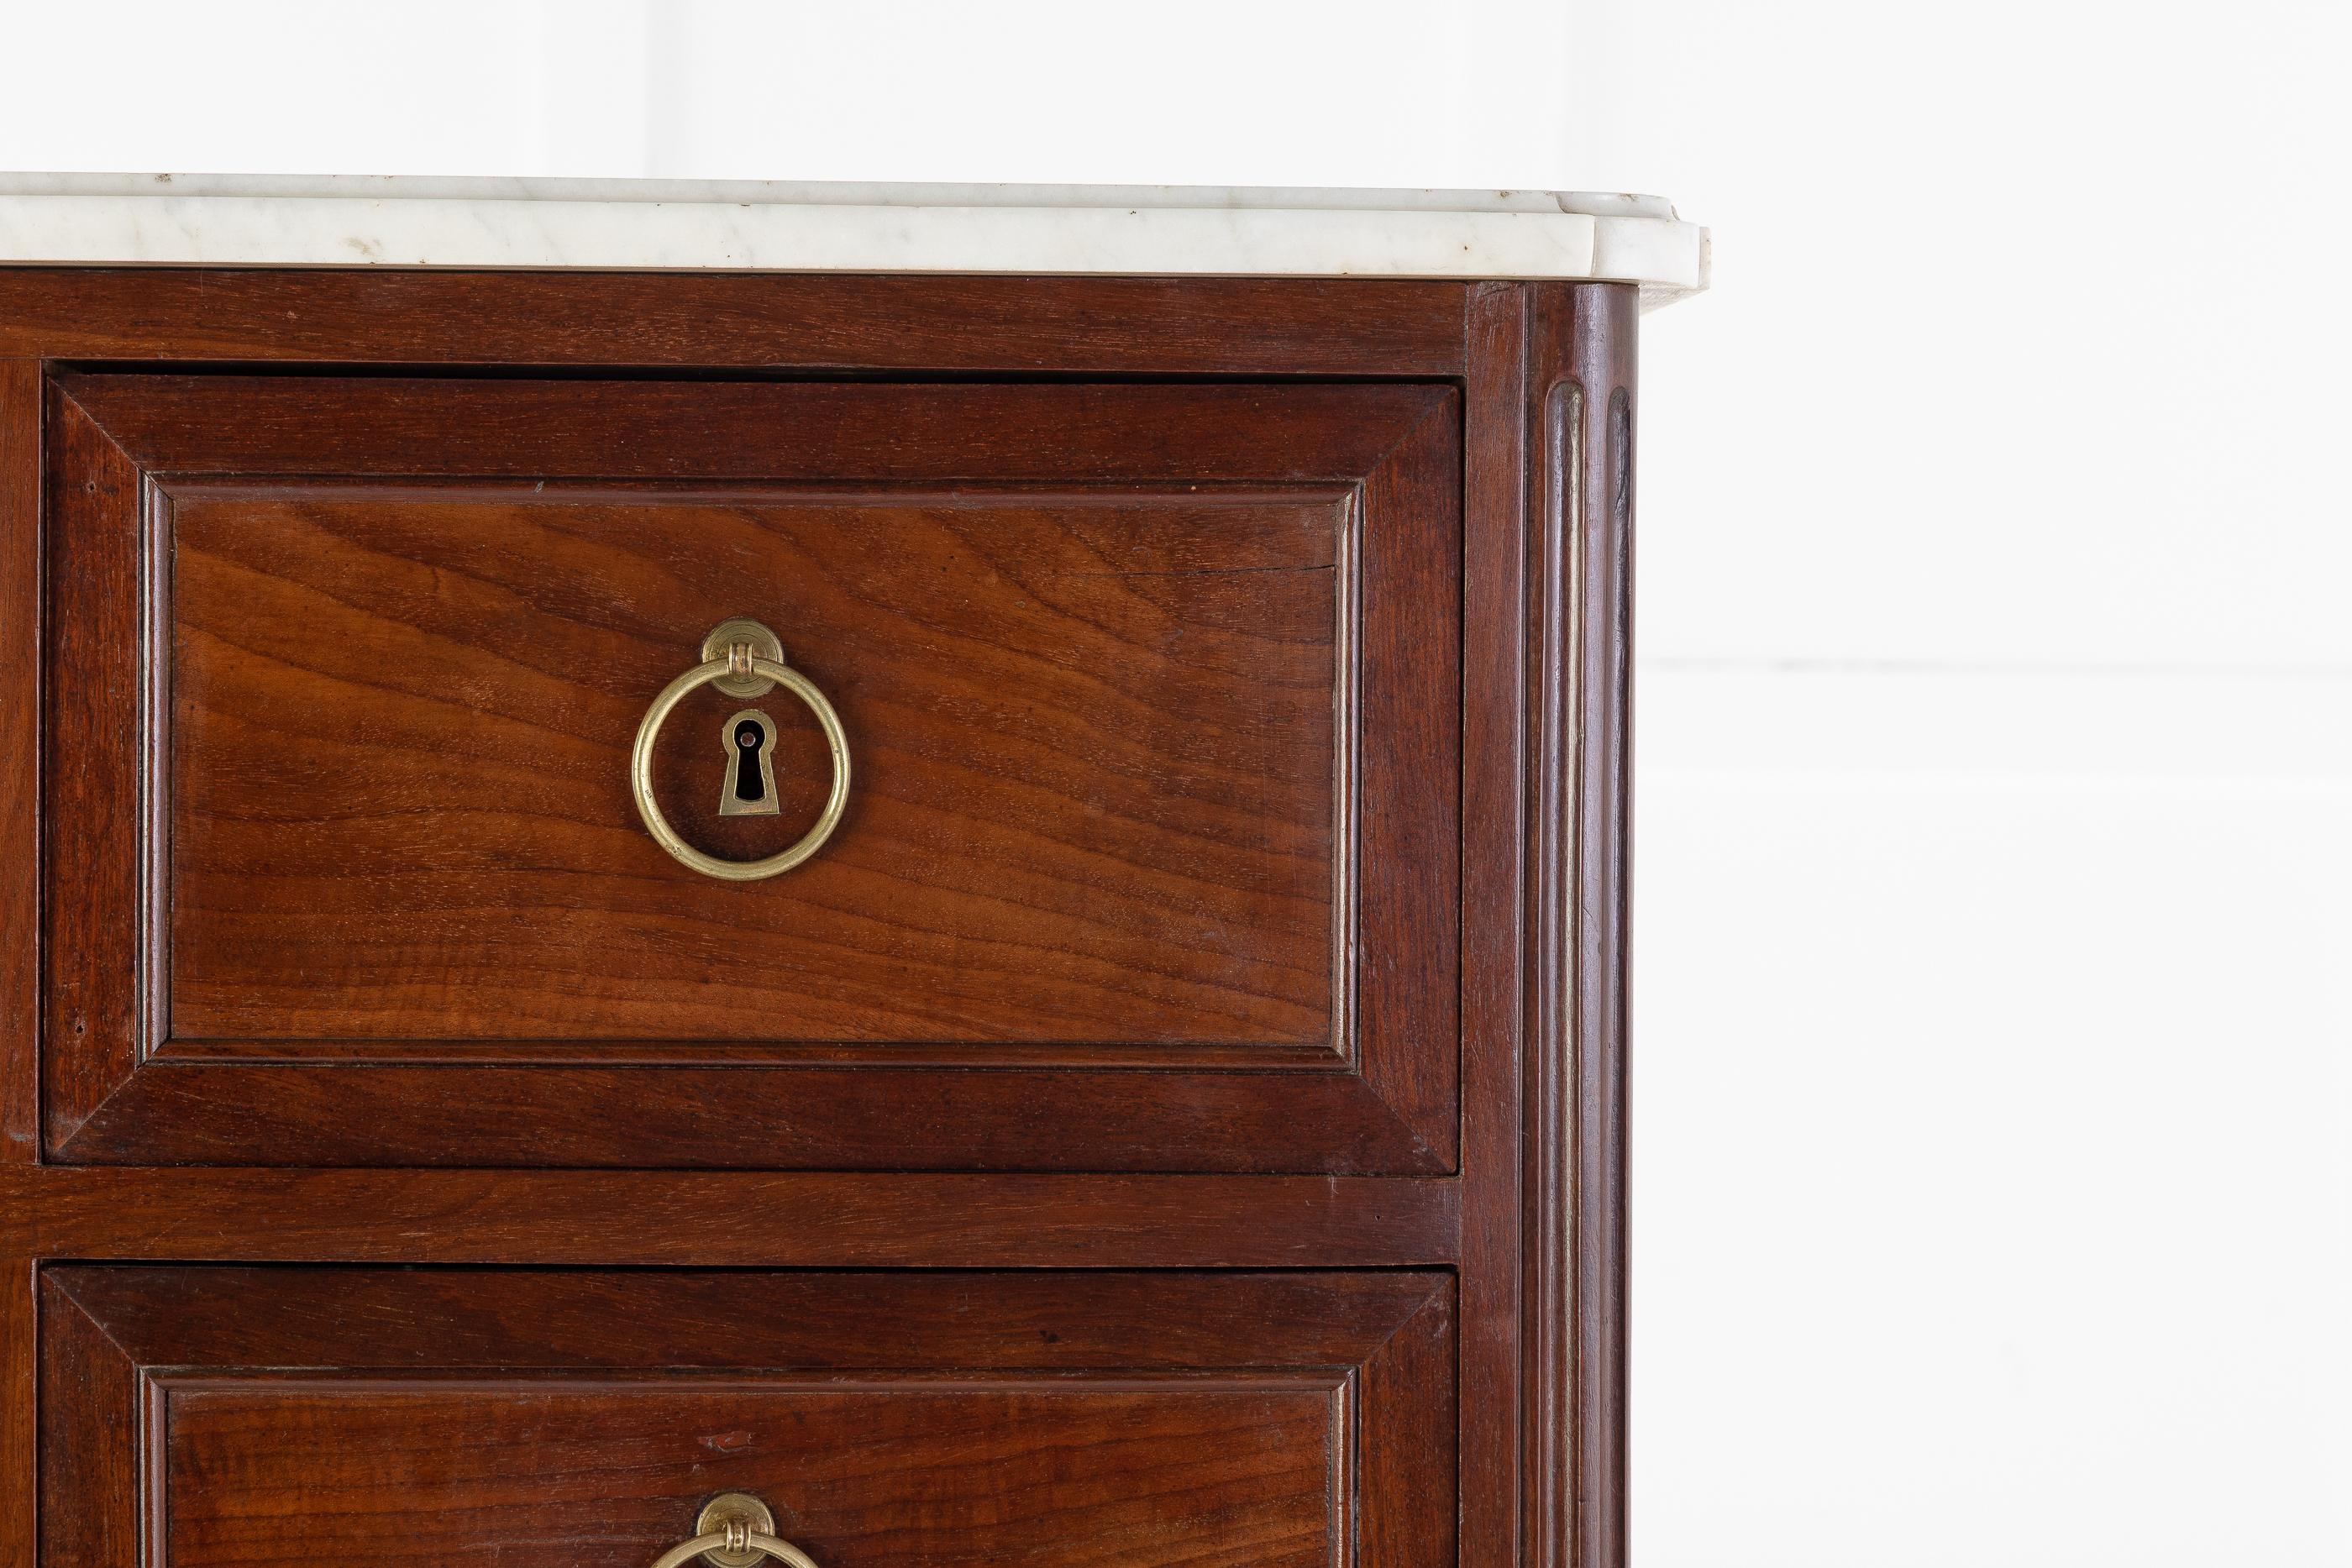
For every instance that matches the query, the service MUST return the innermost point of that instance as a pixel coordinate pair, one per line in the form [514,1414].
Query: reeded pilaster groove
[1581,364]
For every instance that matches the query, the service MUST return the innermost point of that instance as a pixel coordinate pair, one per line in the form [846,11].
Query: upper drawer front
[1150,698]
[229,1418]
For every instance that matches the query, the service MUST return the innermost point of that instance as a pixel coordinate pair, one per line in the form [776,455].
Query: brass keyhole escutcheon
[751,787]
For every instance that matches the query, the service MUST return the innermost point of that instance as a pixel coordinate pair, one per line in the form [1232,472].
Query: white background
[1995,804]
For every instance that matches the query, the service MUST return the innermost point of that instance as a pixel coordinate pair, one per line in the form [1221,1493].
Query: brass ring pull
[735,1539]
[738,661]
[734,1530]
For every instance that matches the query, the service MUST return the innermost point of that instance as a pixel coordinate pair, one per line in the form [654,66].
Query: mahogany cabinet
[1165,1106]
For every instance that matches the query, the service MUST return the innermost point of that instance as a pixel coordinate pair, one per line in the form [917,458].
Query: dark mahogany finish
[1182,1120]
[1152,698]
[917,1418]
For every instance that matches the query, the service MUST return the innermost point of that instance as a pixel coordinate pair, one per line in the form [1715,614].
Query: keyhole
[748,786]
[749,738]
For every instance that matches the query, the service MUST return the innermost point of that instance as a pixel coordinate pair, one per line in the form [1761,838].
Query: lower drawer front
[262,1415]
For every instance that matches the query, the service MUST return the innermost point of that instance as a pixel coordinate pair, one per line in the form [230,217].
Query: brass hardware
[750,788]
[729,1515]
[765,642]
[741,655]
[734,1530]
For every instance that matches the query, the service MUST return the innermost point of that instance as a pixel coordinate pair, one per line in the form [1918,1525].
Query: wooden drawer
[231,1417]
[1149,857]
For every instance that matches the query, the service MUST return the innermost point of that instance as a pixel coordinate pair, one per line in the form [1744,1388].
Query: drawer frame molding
[126,1348]
[1381,1097]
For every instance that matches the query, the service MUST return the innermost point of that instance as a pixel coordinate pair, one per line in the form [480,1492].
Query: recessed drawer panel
[1091,744]
[390,821]
[480,1418]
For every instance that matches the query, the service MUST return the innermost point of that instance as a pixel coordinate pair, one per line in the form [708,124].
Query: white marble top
[1149,230]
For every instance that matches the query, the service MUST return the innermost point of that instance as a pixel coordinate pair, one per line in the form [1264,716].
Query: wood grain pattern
[1583,344]
[713,431]
[762,1118]
[608,1476]
[888,1417]
[1547,1222]
[20,754]
[740,1219]
[92,1415]
[1145,765]
[1094,743]
[20,1354]
[671,1319]
[21,396]
[1495,811]
[97,966]
[1602,333]
[742,323]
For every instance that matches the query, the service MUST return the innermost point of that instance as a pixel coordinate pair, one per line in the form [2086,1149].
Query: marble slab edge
[1166,231]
